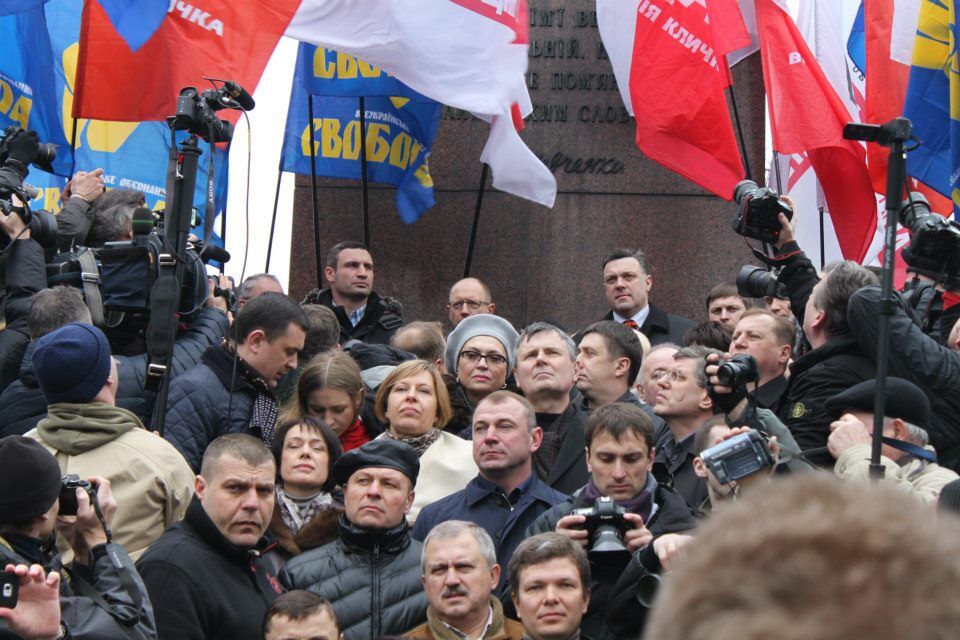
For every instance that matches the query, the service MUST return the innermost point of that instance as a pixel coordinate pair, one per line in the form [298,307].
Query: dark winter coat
[321,530]
[203,587]
[26,275]
[661,327]
[376,326]
[206,402]
[569,471]
[372,579]
[113,577]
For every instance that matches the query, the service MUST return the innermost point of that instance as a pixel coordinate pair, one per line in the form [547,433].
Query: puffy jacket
[203,587]
[916,357]
[206,402]
[24,405]
[376,326]
[372,579]
[671,516]
[113,577]
[814,377]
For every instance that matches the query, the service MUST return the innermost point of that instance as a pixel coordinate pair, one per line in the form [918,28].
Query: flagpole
[363,172]
[273,219]
[740,137]
[313,192]
[476,220]
[776,170]
[73,149]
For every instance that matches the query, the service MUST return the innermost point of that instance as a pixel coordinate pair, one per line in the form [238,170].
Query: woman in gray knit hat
[481,352]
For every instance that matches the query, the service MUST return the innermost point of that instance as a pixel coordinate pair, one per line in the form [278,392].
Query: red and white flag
[671,59]
[806,114]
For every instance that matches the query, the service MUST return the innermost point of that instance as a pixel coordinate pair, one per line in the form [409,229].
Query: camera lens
[743,188]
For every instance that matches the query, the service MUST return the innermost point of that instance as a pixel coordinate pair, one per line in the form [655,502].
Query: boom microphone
[212,252]
[143,221]
[239,95]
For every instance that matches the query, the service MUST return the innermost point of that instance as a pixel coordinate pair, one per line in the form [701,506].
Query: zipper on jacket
[376,611]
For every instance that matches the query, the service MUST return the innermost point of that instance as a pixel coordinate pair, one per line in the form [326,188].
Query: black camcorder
[738,370]
[934,248]
[738,457]
[606,528]
[195,111]
[757,282]
[757,212]
[68,493]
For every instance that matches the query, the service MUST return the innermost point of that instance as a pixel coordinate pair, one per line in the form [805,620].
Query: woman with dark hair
[307,502]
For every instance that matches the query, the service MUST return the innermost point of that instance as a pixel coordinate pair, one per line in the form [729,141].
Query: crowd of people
[328,469]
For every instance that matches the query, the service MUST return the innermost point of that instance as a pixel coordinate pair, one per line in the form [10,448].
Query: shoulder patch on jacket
[389,322]
[798,410]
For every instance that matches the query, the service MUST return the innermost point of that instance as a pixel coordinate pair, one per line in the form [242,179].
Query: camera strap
[90,279]
[85,589]
[911,449]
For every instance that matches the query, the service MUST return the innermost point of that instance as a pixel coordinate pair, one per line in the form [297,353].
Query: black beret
[382,452]
[904,400]
[29,479]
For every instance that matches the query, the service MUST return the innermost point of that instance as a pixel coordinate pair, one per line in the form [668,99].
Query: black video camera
[738,457]
[757,212]
[934,248]
[606,528]
[42,224]
[195,111]
[738,370]
[757,282]
[68,493]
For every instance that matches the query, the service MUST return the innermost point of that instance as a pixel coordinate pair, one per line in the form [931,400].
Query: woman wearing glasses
[480,354]
[412,401]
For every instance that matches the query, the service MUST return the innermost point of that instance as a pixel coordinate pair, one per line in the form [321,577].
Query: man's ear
[899,429]
[494,576]
[786,351]
[329,274]
[536,439]
[622,367]
[255,340]
[648,282]
[406,509]
[199,486]
[706,402]
[699,469]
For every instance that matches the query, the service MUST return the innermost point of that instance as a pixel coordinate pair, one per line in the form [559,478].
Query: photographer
[619,456]
[104,596]
[77,215]
[837,360]
[22,257]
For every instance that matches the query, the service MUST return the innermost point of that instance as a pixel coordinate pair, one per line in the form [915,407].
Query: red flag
[225,39]
[807,115]
[676,87]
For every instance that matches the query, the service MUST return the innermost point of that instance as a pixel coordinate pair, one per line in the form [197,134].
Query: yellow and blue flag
[400,126]
[933,100]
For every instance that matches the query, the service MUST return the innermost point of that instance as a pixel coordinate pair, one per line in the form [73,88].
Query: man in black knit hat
[371,573]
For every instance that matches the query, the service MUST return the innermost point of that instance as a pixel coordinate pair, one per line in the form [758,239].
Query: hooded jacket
[150,480]
[370,577]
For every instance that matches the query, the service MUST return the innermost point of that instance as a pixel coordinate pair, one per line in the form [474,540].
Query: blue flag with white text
[401,126]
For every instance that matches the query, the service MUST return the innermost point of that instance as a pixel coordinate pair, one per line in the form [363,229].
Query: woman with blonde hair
[413,402]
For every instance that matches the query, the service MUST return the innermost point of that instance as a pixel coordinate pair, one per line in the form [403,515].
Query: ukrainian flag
[933,100]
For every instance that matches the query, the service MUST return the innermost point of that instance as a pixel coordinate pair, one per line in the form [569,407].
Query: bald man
[468,297]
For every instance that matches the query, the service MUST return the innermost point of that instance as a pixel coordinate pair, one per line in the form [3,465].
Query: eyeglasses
[675,376]
[493,359]
[472,304]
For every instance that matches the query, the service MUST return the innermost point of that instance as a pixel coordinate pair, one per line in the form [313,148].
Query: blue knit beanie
[72,363]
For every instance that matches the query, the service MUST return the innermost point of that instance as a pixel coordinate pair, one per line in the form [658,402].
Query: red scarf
[355,435]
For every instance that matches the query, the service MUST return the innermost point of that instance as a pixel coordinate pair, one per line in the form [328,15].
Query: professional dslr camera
[738,370]
[42,224]
[934,248]
[757,282]
[757,212]
[606,528]
[68,493]
[738,457]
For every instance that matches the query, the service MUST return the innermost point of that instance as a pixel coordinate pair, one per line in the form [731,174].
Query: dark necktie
[631,324]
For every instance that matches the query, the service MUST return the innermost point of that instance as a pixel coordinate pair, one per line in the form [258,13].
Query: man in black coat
[363,315]
[626,284]
[545,375]
[232,390]
[211,575]
[371,574]
[620,457]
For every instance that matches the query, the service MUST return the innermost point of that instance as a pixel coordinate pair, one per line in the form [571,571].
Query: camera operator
[909,461]
[620,454]
[77,215]
[837,360]
[104,596]
[21,255]
[769,339]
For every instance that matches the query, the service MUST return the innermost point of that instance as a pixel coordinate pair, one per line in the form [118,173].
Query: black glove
[727,402]
[24,147]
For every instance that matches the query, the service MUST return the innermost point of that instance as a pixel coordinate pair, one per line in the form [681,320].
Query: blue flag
[136,20]
[401,127]
[857,41]
[933,100]
[38,54]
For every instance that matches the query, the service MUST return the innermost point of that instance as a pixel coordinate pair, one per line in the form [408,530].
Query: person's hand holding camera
[787,226]
[23,147]
[36,616]
[732,402]
[670,549]
[84,531]
[13,225]
[570,526]
[638,537]
[764,474]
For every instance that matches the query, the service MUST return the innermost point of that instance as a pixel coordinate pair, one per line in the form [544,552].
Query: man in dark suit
[627,283]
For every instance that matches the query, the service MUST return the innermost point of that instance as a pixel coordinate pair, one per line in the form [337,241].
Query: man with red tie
[627,283]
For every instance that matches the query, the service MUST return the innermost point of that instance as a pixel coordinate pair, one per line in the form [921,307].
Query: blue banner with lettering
[401,126]
[38,55]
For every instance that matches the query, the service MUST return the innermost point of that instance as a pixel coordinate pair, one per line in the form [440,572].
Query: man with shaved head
[468,297]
